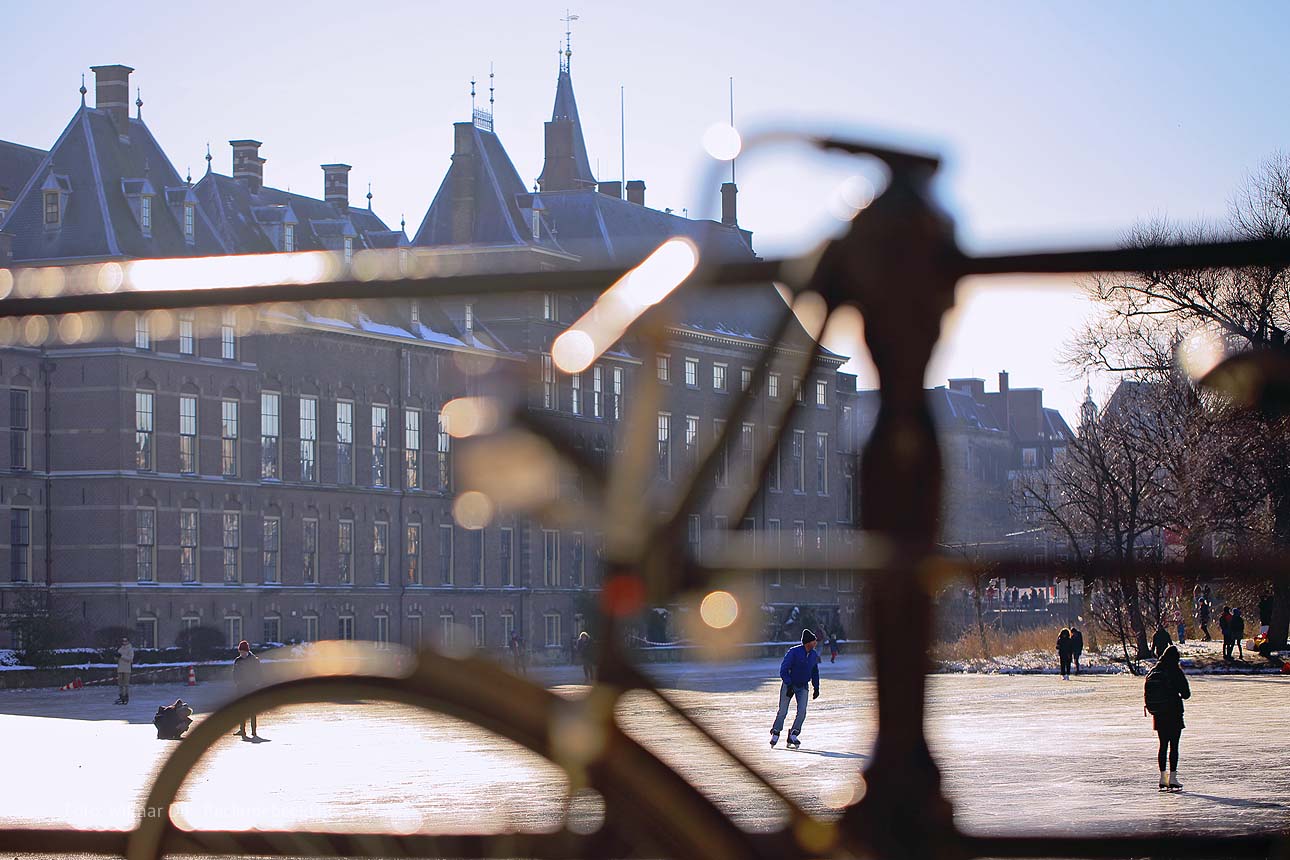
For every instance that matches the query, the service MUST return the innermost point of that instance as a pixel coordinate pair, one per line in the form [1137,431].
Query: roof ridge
[109,233]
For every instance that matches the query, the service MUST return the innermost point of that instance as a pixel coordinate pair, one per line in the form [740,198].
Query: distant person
[1077,647]
[246,677]
[1064,652]
[800,667]
[1237,628]
[173,720]
[517,653]
[1163,693]
[586,653]
[124,663]
[1202,618]
[1182,627]
[1225,627]
[1160,641]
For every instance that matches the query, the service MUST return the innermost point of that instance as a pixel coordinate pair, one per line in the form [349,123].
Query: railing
[899,265]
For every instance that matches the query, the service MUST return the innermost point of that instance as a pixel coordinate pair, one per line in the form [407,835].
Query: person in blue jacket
[801,666]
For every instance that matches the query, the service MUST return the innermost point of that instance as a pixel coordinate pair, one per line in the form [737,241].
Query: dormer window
[349,248]
[470,318]
[145,214]
[416,312]
[190,221]
[288,237]
[53,209]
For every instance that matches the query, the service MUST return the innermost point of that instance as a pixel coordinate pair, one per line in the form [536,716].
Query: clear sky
[1060,124]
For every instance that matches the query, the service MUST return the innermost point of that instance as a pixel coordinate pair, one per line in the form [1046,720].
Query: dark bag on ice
[173,720]
[1158,694]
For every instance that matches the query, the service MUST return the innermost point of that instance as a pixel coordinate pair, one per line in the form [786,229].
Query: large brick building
[282,474]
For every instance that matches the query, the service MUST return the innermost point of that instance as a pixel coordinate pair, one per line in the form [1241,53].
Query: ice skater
[800,667]
[1160,641]
[1202,618]
[1236,628]
[1162,697]
[585,650]
[1225,627]
[246,677]
[124,663]
[1077,647]
[1065,650]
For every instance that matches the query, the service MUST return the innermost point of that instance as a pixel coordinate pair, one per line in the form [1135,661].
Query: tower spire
[472,95]
[491,76]
[369,197]
[568,20]
[208,157]
[83,90]
[138,103]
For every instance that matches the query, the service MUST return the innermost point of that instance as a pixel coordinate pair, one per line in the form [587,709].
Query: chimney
[728,192]
[558,168]
[636,192]
[112,94]
[462,174]
[611,189]
[336,185]
[248,166]
[1003,399]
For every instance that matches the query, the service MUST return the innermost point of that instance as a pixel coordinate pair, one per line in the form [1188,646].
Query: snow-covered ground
[1198,657]
[1019,754]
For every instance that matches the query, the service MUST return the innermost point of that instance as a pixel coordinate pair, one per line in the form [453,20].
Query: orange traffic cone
[192,676]
[70,685]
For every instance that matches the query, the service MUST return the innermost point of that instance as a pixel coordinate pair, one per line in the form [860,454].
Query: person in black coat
[1064,652]
[1225,627]
[1167,713]
[1202,617]
[1077,647]
[1160,641]
[1236,627]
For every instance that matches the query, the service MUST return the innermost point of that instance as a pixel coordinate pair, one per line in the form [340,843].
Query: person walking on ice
[124,663]
[1162,697]
[1065,651]
[1077,647]
[801,666]
[246,677]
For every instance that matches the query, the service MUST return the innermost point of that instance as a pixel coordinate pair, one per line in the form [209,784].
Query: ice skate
[774,738]
[1164,781]
[1174,783]
[793,741]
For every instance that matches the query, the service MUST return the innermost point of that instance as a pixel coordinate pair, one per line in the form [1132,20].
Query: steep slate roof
[566,108]
[17,164]
[100,166]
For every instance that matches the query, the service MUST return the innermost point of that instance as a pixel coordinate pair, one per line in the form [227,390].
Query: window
[145,531]
[345,628]
[579,561]
[550,558]
[664,365]
[412,449]
[692,373]
[718,377]
[745,378]
[549,311]
[508,627]
[349,248]
[772,385]
[272,629]
[575,394]
[446,629]
[142,332]
[190,225]
[477,556]
[477,628]
[443,452]
[822,393]
[380,553]
[145,631]
[723,452]
[145,214]
[380,445]
[344,442]
[847,510]
[19,428]
[822,549]
[228,336]
[53,214]
[233,629]
[270,567]
[143,459]
[308,438]
[288,237]
[720,532]
[747,435]
[664,445]
[694,536]
[549,397]
[270,435]
[189,621]
[414,312]
[799,393]
[505,548]
[188,553]
[232,544]
[228,438]
[309,552]
[773,547]
[468,318]
[799,548]
[597,391]
[1029,457]
[412,554]
[311,628]
[345,552]
[445,554]
[186,342]
[691,439]
[551,625]
[20,545]
[821,463]
[413,633]
[381,633]
[773,470]
[616,412]
[188,434]
[799,461]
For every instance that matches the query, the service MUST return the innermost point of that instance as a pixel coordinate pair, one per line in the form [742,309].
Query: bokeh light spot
[473,510]
[722,141]
[719,610]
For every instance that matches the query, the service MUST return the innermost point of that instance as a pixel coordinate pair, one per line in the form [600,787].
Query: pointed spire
[208,157]
[189,178]
[403,223]
[472,96]
[138,103]
[83,90]
[491,76]
[369,197]
[568,20]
